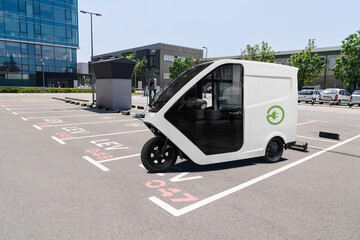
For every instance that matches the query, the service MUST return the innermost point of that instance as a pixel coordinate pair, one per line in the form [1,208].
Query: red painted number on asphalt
[99,155]
[169,192]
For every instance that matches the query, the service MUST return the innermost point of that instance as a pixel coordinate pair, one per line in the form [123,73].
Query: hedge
[48,90]
[41,90]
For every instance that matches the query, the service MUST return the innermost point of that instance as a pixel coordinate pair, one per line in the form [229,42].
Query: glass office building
[38,36]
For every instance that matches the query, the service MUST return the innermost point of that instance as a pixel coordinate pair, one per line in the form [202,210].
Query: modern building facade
[36,37]
[327,55]
[159,56]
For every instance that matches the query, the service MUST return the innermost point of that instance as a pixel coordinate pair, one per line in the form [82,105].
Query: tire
[359,105]
[274,150]
[151,156]
[321,103]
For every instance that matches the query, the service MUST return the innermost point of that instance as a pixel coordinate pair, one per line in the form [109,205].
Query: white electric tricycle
[251,111]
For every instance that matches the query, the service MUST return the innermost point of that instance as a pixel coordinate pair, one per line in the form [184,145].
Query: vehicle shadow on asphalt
[189,166]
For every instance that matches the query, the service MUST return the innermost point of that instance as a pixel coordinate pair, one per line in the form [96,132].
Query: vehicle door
[219,127]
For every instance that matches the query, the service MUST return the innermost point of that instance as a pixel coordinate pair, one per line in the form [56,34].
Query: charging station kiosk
[113,83]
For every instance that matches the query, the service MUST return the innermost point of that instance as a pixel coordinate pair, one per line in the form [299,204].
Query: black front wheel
[274,150]
[157,155]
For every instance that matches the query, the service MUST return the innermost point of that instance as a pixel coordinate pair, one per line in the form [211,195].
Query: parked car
[355,98]
[335,96]
[308,96]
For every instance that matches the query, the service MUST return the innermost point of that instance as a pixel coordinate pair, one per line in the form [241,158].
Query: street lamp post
[43,75]
[92,52]
[206,52]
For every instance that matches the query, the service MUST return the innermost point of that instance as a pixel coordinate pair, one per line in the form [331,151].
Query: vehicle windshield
[329,91]
[357,92]
[306,92]
[174,86]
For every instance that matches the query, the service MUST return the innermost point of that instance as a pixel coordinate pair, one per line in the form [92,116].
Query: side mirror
[197,104]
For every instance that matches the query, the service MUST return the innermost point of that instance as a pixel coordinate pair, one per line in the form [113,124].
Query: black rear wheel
[157,155]
[274,150]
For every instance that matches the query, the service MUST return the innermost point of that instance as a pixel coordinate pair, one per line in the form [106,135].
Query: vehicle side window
[341,92]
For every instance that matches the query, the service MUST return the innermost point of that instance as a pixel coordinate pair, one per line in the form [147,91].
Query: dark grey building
[160,56]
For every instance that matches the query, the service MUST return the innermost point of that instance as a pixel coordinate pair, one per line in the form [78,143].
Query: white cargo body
[250,105]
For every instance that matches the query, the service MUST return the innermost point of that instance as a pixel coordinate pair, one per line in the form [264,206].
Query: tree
[140,70]
[180,66]
[347,66]
[309,64]
[262,53]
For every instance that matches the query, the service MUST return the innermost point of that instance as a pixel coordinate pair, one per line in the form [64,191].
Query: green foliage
[263,53]
[309,64]
[347,67]
[130,57]
[180,66]
[41,90]
[140,70]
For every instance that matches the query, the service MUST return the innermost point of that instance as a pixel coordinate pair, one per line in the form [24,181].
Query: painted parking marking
[178,212]
[314,121]
[23,108]
[102,167]
[25,119]
[71,124]
[37,127]
[67,116]
[317,139]
[160,174]
[95,163]
[54,111]
[62,141]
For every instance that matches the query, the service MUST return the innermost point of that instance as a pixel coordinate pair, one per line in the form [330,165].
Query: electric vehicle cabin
[251,111]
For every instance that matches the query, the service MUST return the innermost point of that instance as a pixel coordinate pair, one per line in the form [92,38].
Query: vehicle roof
[254,68]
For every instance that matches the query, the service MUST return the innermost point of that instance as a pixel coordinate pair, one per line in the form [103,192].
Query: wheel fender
[272,135]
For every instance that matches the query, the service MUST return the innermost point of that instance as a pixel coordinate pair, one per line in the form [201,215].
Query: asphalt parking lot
[73,172]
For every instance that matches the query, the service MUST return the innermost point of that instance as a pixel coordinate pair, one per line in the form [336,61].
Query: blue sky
[225,26]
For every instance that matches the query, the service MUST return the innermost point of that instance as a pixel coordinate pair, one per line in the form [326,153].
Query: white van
[251,111]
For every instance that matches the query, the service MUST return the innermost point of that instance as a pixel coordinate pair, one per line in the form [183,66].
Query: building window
[332,62]
[23,27]
[22,5]
[322,59]
[286,62]
[278,61]
[36,8]
[169,58]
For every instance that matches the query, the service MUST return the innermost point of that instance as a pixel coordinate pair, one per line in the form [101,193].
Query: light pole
[92,52]
[206,52]
[43,76]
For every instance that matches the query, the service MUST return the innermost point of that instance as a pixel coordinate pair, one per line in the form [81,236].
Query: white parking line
[82,109]
[317,139]
[160,174]
[119,158]
[61,141]
[97,164]
[37,127]
[71,124]
[307,122]
[23,118]
[14,113]
[182,211]
[71,116]
[56,107]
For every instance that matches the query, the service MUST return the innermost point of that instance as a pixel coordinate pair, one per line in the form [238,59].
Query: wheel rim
[158,160]
[273,149]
